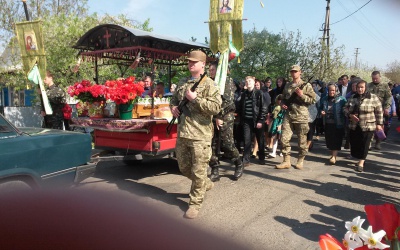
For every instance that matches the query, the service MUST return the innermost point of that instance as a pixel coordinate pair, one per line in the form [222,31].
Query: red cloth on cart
[112,124]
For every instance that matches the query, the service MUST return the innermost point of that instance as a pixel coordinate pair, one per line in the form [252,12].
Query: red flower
[86,91]
[328,242]
[123,91]
[384,217]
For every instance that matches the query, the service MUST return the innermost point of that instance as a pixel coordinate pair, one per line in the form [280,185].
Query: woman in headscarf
[331,110]
[365,117]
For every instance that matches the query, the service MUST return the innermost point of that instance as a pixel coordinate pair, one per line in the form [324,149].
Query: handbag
[380,134]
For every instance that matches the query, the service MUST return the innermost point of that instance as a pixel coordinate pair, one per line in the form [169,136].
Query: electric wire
[351,13]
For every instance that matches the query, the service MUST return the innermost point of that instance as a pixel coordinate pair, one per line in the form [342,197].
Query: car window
[6,129]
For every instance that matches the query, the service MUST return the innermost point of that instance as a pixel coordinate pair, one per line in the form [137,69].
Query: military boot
[238,169]
[300,161]
[285,164]
[214,174]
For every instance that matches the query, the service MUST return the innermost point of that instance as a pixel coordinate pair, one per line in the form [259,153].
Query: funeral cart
[145,134]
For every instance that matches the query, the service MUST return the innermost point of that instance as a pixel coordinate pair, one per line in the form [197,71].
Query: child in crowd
[275,130]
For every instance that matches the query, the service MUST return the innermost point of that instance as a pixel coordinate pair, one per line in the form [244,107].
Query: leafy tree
[63,24]
[393,71]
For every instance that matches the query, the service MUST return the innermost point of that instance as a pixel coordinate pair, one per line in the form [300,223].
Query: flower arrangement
[85,91]
[123,91]
[384,218]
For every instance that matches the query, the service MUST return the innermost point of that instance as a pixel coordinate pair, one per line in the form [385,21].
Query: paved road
[266,208]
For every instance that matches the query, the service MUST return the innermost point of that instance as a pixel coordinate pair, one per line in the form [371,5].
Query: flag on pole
[225,20]
[30,39]
[34,76]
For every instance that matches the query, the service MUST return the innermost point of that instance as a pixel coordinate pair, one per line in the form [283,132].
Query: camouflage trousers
[301,130]
[227,141]
[193,157]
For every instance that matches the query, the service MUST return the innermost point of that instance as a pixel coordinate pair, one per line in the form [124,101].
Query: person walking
[224,122]
[298,95]
[331,109]
[57,99]
[382,91]
[253,109]
[364,110]
[195,129]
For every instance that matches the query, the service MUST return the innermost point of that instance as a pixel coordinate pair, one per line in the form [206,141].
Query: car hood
[43,131]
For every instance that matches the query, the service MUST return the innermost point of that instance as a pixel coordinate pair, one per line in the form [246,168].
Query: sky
[374,29]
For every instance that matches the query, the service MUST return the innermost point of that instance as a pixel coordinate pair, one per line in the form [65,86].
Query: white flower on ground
[373,240]
[355,226]
[351,243]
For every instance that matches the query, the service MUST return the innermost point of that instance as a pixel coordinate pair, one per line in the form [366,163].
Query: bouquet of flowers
[85,91]
[384,218]
[123,91]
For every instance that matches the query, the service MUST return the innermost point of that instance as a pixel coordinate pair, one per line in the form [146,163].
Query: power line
[351,13]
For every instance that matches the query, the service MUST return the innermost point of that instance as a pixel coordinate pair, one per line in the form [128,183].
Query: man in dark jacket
[253,109]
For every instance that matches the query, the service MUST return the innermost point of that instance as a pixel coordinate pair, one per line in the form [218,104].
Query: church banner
[30,40]
[225,20]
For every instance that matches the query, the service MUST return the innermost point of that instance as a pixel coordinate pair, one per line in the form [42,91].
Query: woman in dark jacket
[331,110]
[252,112]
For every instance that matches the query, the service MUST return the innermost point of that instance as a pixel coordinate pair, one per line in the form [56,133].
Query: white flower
[374,239]
[351,243]
[355,226]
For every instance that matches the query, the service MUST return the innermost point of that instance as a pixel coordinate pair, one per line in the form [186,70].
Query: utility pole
[356,59]
[325,51]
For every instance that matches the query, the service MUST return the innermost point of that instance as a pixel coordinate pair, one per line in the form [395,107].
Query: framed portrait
[30,40]
[226,6]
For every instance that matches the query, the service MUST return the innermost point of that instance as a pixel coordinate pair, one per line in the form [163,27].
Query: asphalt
[267,208]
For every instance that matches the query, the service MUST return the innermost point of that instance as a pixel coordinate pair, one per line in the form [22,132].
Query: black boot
[214,174]
[238,169]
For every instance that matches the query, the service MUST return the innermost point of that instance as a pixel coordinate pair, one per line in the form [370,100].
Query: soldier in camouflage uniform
[298,95]
[195,129]
[223,129]
[384,94]
[56,96]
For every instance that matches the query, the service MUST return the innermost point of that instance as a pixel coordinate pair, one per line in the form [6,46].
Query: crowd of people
[253,118]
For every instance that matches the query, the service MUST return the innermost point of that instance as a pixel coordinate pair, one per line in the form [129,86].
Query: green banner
[225,20]
[30,40]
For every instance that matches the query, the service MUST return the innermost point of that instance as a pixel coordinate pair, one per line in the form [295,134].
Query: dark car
[38,157]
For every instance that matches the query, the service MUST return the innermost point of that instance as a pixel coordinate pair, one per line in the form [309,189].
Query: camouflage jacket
[228,99]
[196,120]
[56,97]
[368,110]
[381,90]
[298,111]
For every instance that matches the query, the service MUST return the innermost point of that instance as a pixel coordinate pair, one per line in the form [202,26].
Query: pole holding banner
[31,44]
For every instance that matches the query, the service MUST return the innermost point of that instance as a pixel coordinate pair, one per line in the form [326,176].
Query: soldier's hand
[299,92]
[191,95]
[219,123]
[175,111]
[284,106]
[259,125]
[323,113]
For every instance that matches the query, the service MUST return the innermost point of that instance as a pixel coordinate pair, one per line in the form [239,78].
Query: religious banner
[30,41]
[225,21]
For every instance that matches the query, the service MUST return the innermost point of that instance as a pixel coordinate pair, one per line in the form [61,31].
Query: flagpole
[26,10]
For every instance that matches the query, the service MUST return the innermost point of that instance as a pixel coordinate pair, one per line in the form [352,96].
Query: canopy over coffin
[122,43]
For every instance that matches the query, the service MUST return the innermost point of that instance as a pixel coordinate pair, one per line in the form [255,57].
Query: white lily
[351,243]
[355,226]
[374,239]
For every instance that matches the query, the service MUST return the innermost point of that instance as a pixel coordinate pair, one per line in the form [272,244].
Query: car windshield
[6,129]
